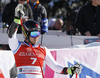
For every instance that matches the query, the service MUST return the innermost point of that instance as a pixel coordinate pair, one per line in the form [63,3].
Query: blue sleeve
[44,27]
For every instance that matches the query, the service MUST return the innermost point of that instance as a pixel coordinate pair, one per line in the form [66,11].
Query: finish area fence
[54,39]
[86,55]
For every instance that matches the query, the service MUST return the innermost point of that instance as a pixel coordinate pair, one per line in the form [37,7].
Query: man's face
[58,24]
[34,40]
[96,2]
[34,36]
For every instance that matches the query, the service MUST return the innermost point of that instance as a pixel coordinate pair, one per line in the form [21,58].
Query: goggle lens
[35,34]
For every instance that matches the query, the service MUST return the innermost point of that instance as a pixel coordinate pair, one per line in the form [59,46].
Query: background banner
[88,57]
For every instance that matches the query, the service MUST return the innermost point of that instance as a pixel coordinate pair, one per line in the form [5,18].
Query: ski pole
[41,38]
[72,76]
[76,75]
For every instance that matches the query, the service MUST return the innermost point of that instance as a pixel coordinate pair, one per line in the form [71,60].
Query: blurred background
[64,9]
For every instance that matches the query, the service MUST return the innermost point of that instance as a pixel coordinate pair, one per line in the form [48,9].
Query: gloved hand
[19,13]
[74,69]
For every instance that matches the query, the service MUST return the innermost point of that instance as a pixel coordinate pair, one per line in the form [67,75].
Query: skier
[29,56]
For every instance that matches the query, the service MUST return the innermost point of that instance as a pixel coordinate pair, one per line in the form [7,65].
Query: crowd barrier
[87,55]
[52,40]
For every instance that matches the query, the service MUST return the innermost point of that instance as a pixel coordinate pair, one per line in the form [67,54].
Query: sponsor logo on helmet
[36,25]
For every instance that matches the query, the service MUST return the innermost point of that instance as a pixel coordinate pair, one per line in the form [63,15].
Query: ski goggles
[34,34]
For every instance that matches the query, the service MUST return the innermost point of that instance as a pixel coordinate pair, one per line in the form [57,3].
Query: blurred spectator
[39,14]
[70,19]
[4,47]
[0,47]
[9,12]
[55,24]
[88,19]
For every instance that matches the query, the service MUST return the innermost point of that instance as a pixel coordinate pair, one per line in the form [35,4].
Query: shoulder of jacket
[40,5]
[26,5]
[41,46]
[84,7]
[23,43]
